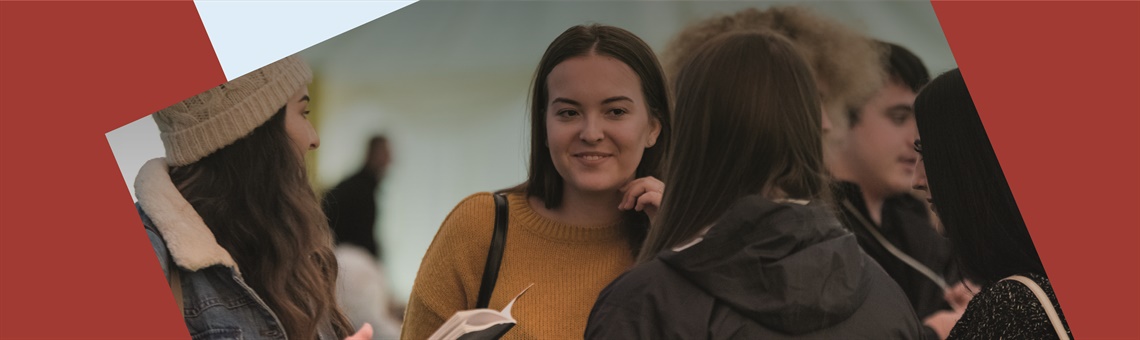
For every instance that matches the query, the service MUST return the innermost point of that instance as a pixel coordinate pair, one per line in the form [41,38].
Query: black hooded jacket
[907,226]
[764,270]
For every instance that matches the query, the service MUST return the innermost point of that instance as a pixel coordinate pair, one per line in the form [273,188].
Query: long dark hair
[749,115]
[255,198]
[969,189]
[543,180]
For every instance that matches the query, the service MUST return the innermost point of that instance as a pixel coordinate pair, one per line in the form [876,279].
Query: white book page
[507,310]
[473,320]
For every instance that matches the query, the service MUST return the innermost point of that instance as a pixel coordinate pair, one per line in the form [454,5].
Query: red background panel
[1056,84]
[74,259]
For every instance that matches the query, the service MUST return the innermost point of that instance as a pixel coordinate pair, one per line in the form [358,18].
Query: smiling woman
[598,125]
[599,128]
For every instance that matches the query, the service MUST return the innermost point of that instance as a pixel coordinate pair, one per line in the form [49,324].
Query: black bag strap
[495,253]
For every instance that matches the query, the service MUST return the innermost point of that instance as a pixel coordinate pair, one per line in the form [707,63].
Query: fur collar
[191,243]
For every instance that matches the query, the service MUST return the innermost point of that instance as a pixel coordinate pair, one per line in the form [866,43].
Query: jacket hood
[788,266]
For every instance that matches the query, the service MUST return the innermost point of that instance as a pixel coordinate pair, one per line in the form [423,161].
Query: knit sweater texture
[568,265]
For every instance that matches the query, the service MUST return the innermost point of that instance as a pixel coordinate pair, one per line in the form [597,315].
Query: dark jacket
[765,270]
[907,225]
[1009,310]
[351,209]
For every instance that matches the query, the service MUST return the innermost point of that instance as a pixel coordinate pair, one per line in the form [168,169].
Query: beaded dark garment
[1008,310]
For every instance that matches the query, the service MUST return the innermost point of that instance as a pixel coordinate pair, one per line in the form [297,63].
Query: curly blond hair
[847,65]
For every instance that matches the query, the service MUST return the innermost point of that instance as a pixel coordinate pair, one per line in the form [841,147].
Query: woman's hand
[959,297]
[365,333]
[643,194]
[960,294]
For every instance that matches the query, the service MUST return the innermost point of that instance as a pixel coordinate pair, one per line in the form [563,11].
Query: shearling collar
[190,242]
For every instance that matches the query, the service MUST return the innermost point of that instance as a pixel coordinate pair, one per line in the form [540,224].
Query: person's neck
[874,202]
[872,199]
[582,209]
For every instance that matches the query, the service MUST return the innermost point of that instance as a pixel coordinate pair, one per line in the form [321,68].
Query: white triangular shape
[249,34]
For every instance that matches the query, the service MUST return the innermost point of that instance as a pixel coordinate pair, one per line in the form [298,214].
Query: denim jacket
[216,301]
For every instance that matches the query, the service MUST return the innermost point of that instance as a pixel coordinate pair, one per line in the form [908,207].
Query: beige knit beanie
[207,122]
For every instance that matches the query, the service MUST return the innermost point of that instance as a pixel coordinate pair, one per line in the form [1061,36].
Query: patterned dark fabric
[1009,310]
[351,209]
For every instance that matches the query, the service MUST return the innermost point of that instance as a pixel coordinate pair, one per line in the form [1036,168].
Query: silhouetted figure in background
[351,205]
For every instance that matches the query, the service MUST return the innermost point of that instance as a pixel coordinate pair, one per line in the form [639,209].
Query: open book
[478,324]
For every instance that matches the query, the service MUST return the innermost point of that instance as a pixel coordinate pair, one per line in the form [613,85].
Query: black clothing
[765,270]
[907,225]
[1009,310]
[351,209]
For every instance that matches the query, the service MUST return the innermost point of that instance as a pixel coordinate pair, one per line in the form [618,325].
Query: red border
[74,259]
[1056,85]
[1055,81]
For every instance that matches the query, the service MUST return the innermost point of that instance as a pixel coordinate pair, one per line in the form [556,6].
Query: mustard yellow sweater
[569,265]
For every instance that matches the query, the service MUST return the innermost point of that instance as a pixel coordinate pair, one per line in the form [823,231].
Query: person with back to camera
[599,128]
[867,90]
[959,173]
[745,244]
[229,211]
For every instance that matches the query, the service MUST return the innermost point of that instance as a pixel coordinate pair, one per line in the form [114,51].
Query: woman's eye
[567,113]
[618,112]
[918,147]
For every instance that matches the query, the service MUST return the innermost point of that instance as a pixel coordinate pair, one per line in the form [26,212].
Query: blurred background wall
[448,82]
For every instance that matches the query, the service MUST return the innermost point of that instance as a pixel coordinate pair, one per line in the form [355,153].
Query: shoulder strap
[909,261]
[495,253]
[1054,318]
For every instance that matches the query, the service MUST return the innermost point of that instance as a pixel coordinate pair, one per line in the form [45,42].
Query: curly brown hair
[846,65]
